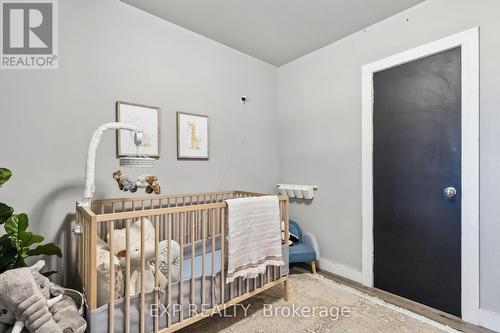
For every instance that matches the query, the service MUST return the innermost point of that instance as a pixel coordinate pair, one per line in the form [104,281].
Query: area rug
[336,308]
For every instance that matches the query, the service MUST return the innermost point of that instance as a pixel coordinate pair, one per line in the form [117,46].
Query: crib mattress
[198,265]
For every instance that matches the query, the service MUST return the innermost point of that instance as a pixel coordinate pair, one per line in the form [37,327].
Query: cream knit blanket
[254,236]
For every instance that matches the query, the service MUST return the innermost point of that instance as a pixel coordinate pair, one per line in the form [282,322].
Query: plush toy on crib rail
[125,183]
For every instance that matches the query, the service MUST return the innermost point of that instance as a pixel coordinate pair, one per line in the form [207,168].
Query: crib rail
[197,222]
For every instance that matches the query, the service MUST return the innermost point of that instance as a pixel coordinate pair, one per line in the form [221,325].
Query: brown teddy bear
[153,185]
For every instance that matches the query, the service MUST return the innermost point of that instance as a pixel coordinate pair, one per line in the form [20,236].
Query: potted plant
[18,244]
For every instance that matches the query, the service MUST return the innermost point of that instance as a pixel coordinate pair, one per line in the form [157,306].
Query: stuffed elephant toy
[26,303]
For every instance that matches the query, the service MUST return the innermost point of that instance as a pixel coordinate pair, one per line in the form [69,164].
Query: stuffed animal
[141,181]
[116,176]
[153,185]
[120,248]
[124,182]
[25,303]
[67,312]
[173,259]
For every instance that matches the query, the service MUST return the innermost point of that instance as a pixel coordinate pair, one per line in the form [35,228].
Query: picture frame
[147,119]
[192,136]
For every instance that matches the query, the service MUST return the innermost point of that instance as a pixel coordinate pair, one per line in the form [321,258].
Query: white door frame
[469,42]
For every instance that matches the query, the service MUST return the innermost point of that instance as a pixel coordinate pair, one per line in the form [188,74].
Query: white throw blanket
[254,236]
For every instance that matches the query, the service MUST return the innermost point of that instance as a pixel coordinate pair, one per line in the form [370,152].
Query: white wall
[110,51]
[320,139]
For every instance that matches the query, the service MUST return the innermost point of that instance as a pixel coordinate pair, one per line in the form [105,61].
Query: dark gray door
[416,156]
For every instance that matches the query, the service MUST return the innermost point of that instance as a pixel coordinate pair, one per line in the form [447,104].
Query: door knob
[450,192]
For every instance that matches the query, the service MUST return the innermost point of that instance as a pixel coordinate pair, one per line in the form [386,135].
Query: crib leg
[285,290]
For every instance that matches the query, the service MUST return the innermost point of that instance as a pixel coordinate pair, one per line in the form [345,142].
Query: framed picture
[147,119]
[192,136]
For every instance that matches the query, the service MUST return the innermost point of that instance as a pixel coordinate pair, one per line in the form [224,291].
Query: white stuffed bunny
[120,248]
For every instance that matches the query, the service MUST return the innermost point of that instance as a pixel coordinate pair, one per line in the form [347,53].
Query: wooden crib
[198,222]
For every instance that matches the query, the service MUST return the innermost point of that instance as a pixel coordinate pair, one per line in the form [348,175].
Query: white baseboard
[489,319]
[340,269]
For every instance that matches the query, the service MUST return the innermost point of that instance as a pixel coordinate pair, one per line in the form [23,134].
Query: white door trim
[469,42]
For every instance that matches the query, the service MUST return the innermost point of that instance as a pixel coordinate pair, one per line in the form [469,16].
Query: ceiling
[276,31]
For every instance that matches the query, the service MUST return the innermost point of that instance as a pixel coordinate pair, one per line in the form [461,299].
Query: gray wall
[320,116]
[110,51]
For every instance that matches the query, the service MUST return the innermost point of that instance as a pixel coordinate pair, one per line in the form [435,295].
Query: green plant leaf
[28,238]
[20,262]
[50,249]
[16,225]
[5,175]
[5,212]
[8,253]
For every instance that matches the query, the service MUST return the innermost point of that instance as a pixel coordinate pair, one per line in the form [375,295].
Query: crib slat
[127,276]
[193,255]
[247,285]
[169,277]
[78,251]
[181,279]
[196,226]
[287,234]
[222,251]
[212,235]
[143,262]
[103,225]
[81,257]
[88,264]
[162,225]
[203,250]
[84,276]
[157,270]
[85,258]
[111,306]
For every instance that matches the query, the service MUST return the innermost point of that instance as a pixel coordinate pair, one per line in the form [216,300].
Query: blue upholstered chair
[300,251]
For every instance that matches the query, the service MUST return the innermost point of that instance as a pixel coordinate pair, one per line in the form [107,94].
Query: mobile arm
[91,153]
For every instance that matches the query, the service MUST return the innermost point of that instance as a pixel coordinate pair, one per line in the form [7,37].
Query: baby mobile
[126,182]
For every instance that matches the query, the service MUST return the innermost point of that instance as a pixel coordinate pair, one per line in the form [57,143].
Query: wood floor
[423,310]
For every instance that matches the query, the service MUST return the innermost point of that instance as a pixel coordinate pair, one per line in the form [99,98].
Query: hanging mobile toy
[149,183]
[153,185]
[125,183]
[134,161]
